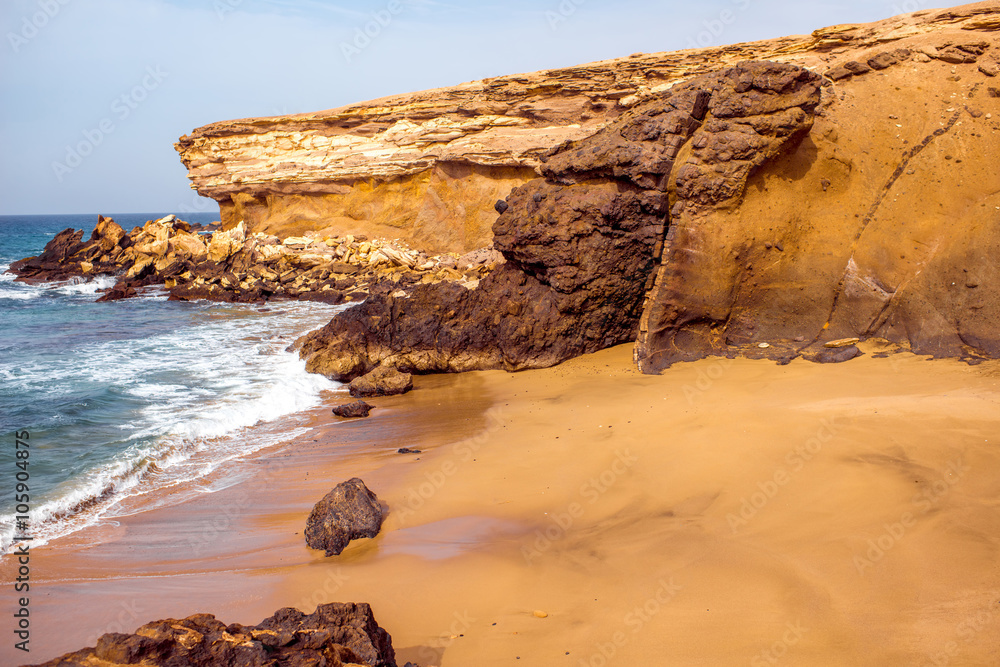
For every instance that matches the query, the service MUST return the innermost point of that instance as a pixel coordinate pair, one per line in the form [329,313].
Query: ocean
[124,399]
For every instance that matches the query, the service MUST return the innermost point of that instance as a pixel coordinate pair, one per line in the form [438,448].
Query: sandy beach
[727,512]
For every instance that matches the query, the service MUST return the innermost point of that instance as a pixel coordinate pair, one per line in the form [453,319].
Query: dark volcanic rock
[354,410]
[580,245]
[52,263]
[119,291]
[348,512]
[334,635]
[382,381]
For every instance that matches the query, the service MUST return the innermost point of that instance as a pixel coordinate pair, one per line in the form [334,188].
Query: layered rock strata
[334,635]
[426,167]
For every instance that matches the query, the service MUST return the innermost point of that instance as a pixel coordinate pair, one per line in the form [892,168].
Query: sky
[94,93]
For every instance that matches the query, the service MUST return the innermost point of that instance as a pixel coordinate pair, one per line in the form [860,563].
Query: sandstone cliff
[427,167]
[767,209]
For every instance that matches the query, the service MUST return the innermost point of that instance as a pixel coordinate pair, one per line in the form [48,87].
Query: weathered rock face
[883,223]
[580,245]
[64,255]
[350,511]
[521,315]
[334,635]
[795,218]
[426,167]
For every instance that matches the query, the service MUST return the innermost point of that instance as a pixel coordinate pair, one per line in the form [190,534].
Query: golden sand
[723,513]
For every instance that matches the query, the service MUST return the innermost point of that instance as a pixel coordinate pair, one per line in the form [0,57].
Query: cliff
[427,167]
[768,209]
[778,199]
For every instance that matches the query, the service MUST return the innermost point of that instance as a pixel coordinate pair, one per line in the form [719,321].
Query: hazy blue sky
[95,92]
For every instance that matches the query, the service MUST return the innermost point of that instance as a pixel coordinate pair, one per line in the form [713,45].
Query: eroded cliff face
[580,244]
[427,167]
[883,223]
[841,188]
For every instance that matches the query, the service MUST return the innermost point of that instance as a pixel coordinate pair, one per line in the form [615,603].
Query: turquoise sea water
[124,398]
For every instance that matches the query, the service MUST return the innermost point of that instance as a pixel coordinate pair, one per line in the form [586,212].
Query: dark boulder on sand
[334,635]
[355,410]
[350,511]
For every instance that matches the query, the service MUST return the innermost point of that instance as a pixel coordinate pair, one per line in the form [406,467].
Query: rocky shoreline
[801,198]
[236,266]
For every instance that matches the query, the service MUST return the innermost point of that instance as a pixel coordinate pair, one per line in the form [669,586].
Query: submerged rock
[335,635]
[118,292]
[350,511]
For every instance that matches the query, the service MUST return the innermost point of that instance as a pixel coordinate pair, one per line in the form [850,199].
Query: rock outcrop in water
[334,635]
[233,265]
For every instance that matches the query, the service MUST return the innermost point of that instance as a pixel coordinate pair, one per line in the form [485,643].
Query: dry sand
[724,513]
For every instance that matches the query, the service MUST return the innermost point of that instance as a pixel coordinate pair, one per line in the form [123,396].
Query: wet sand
[724,513]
